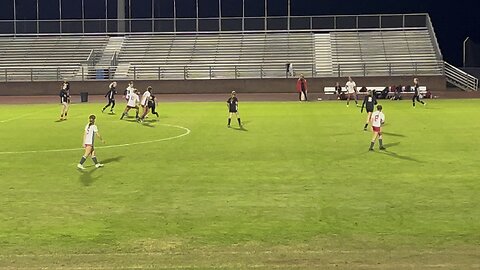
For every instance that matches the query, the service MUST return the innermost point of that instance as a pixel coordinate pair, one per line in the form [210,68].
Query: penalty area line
[187,132]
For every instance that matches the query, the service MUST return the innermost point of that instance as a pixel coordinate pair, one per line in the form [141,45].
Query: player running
[132,103]
[128,91]
[145,98]
[91,131]
[152,104]
[64,100]
[416,95]
[377,119]
[368,102]
[232,104]
[111,97]
[351,90]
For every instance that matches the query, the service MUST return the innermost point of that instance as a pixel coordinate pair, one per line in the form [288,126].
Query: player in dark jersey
[369,103]
[111,97]
[152,104]
[232,104]
[416,94]
[64,100]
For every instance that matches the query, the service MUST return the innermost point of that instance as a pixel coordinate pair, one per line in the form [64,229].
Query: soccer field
[297,189]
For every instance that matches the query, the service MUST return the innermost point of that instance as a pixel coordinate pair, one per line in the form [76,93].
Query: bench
[329,90]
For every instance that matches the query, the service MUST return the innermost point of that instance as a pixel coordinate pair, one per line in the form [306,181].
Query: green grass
[296,189]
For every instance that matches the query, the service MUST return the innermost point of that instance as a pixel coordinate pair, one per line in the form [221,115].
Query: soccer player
[377,119]
[111,97]
[145,98]
[368,102]
[128,91]
[351,90]
[152,104]
[64,100]
[132,103]
[232,104]
[91,131]
[416,95]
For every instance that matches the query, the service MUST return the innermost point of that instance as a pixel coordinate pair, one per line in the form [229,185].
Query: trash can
[84,96]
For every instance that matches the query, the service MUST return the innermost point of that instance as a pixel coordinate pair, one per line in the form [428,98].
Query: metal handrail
[460,78]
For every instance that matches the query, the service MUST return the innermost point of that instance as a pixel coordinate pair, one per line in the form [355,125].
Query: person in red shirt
[302,87]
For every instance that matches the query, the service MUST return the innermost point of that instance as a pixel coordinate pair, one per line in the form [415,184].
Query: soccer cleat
[80,166]
[370,149]
[382,148]
[228,126]
[364,129]
[98,165]
[112,112]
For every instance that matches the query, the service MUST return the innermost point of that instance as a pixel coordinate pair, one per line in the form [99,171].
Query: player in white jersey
[91,131]
[377,120]
[351,90]
[145,98]
[128,91]
[132,103]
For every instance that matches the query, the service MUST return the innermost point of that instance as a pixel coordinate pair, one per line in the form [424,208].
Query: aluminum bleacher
[46,58]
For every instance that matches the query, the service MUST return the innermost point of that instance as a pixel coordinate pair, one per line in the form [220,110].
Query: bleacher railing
[460,78]
[213,25]
[154,72]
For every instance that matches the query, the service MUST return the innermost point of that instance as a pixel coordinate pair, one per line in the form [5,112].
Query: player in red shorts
[377,119]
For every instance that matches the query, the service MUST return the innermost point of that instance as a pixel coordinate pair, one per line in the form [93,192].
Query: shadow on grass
[86,176]
[394,134]
[239,128]
[395,155]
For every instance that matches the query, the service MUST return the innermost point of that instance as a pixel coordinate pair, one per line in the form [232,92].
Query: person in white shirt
[145,98]
[91,131]
[377,119]
[129,90]
[351,90]
[132,103]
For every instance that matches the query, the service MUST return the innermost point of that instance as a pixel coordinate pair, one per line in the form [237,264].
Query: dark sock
[366,125]
[136,115]
[239,121]
[157,114]
[82,160]
[229,121]
[380,141]
[121,117]
[371,145]
[95,160]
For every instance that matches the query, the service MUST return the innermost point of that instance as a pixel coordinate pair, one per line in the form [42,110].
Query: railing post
[364,69]
[134,73]
[159,73]
[235,72]
[210,71]
[31,74]
[261,72]
[338,70]
[389,69]
[184,72]
[313,71]
[83,73]
[6,75]
[58,74]
[415,70]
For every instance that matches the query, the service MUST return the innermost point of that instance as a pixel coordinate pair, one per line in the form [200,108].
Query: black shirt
[369,102]
[416,89]
[64,96]
[233,104]
[111,94]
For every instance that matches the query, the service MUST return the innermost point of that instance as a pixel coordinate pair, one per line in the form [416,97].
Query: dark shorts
[369,111]
[232,111]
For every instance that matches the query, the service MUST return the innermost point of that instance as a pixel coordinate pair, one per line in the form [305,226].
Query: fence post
[390,69]
[364,69]
[184,72]
[313,71]
[6,75]
[261,72]
[338,71]
[415,70]
[210,71]
[83,73]
[235,72]
[31,74]
[159,73]
[58,74]
[134,73]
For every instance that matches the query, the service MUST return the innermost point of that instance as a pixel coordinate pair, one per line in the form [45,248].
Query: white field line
[187,132]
